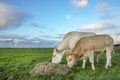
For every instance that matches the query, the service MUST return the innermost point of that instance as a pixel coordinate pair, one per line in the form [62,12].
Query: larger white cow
[67,44]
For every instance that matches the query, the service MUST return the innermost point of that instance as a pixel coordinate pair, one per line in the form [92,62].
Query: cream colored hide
[67,44]
[86,47]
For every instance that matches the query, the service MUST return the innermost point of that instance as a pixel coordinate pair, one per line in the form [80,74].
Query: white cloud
[106,12]
[116,38]
[68,17]
[96,26]
[101,27]
[16,41]
[80,3]
[101,7]
[5,39]
[10,16]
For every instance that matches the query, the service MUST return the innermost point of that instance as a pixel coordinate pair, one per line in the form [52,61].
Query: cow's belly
[99,48]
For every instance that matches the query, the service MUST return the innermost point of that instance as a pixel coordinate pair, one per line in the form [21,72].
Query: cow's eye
[70,59]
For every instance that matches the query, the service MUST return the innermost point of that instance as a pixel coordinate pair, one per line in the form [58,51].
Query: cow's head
[71,59]
[57,56]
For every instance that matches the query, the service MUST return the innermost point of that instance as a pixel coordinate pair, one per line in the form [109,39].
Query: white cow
[67,44]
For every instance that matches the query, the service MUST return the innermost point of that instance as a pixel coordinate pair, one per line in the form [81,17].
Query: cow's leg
[108,57]
[110,62]
[84,62]
[91,58]
[97,57]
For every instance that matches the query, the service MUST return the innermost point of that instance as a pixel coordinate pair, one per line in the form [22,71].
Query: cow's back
[104,40]
[97,42]
[71,38]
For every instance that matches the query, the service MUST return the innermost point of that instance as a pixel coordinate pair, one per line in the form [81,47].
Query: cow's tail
[113,50]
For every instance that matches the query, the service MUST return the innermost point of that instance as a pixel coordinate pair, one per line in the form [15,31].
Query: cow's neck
[62,47]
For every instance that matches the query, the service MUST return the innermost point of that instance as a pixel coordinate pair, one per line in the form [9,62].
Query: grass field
[15,64]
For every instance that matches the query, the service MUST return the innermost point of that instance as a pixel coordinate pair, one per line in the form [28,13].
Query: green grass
[15,64]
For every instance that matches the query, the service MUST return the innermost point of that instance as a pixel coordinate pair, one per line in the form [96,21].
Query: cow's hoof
[106,67]
[110,65]
[83,67]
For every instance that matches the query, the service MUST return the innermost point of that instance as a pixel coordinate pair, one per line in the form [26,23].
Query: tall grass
[15,64]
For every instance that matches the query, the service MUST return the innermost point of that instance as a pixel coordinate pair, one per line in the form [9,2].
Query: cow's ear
[76,55]
[68,52]
[55,50]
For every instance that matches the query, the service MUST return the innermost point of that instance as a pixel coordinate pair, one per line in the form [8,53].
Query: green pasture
[15,64]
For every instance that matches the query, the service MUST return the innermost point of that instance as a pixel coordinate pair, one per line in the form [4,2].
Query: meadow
[15,64]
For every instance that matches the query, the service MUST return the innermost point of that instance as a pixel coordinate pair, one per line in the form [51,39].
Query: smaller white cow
[86,47]
[67,44]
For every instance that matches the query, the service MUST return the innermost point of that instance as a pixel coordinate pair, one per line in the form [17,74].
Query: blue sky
[43,23]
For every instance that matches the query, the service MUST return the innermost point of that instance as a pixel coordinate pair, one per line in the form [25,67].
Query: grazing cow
[67,44]
[85,48]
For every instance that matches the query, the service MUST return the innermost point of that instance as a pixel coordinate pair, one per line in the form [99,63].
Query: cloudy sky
[43,23]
